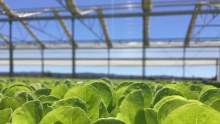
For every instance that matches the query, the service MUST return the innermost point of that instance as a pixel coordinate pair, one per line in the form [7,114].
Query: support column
[184,62]
[11,68]
[146,7]
[73,50]
[109,64]
[192,25]
[143,62]
[42,62]
[145,43]
[218,67]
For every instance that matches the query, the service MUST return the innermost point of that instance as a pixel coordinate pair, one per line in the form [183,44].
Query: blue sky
[119,29]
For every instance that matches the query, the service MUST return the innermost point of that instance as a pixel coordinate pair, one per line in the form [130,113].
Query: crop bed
[27,101]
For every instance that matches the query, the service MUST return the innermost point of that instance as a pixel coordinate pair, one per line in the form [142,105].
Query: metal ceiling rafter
[90,29]
[68,33]
[146,7]
[75,11]
[5,39]
[40,29]
[72,7]
[117,15]
[32,33]
[104,27]
[204,25]
[192,25]
[12,14]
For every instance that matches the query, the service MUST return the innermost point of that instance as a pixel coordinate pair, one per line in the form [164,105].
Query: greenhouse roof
[61,24]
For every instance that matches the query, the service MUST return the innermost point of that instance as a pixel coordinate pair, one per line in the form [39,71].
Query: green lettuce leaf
[5,116]
[108,121]
[193,114]
[132,108]
[29,113]
[66,115]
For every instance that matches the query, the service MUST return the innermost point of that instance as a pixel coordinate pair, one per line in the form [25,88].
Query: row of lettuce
[103,102]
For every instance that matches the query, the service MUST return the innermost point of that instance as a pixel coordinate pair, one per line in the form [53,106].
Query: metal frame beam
[32,33]
[11,60]
[5,39]
[109,62]
[122,59]
[218,66]
[42,62]
[6,9]
[184,63]
[72,7]
[208,25]
[119,15]
[75,11]
[192,25]
[104,28]
[146,7]
[73,51]
[62,23]
[12,15]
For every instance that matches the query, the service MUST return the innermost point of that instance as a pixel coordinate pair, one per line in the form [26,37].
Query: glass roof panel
[166,21]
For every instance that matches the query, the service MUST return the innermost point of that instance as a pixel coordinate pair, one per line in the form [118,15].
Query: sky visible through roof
[120,29]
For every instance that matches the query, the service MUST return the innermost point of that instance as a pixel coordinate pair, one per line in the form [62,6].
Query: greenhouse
[109,62]
[128,38]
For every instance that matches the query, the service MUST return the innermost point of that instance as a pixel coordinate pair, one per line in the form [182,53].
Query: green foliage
[9,102]
[105,101]
[48,99]
[1,86]
[103,112]
[5,116]
[165,99]
[1,96]
[124,84]
[165,92]
[114,112]
[105,92]
[108,121]
[150,116]
[156,88]
[29,113]
[209,96]
[185,90]
[23,97]
[148,96]
[47,107]
[194,87]
[10,91]
[170,106]
[66,115]
[68,82]
[59,91]
[40,92]
[207,87]
[73,102]
[90,96]
[193,114]
[38,86]
[132,108]
[121,89]
[216,105]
